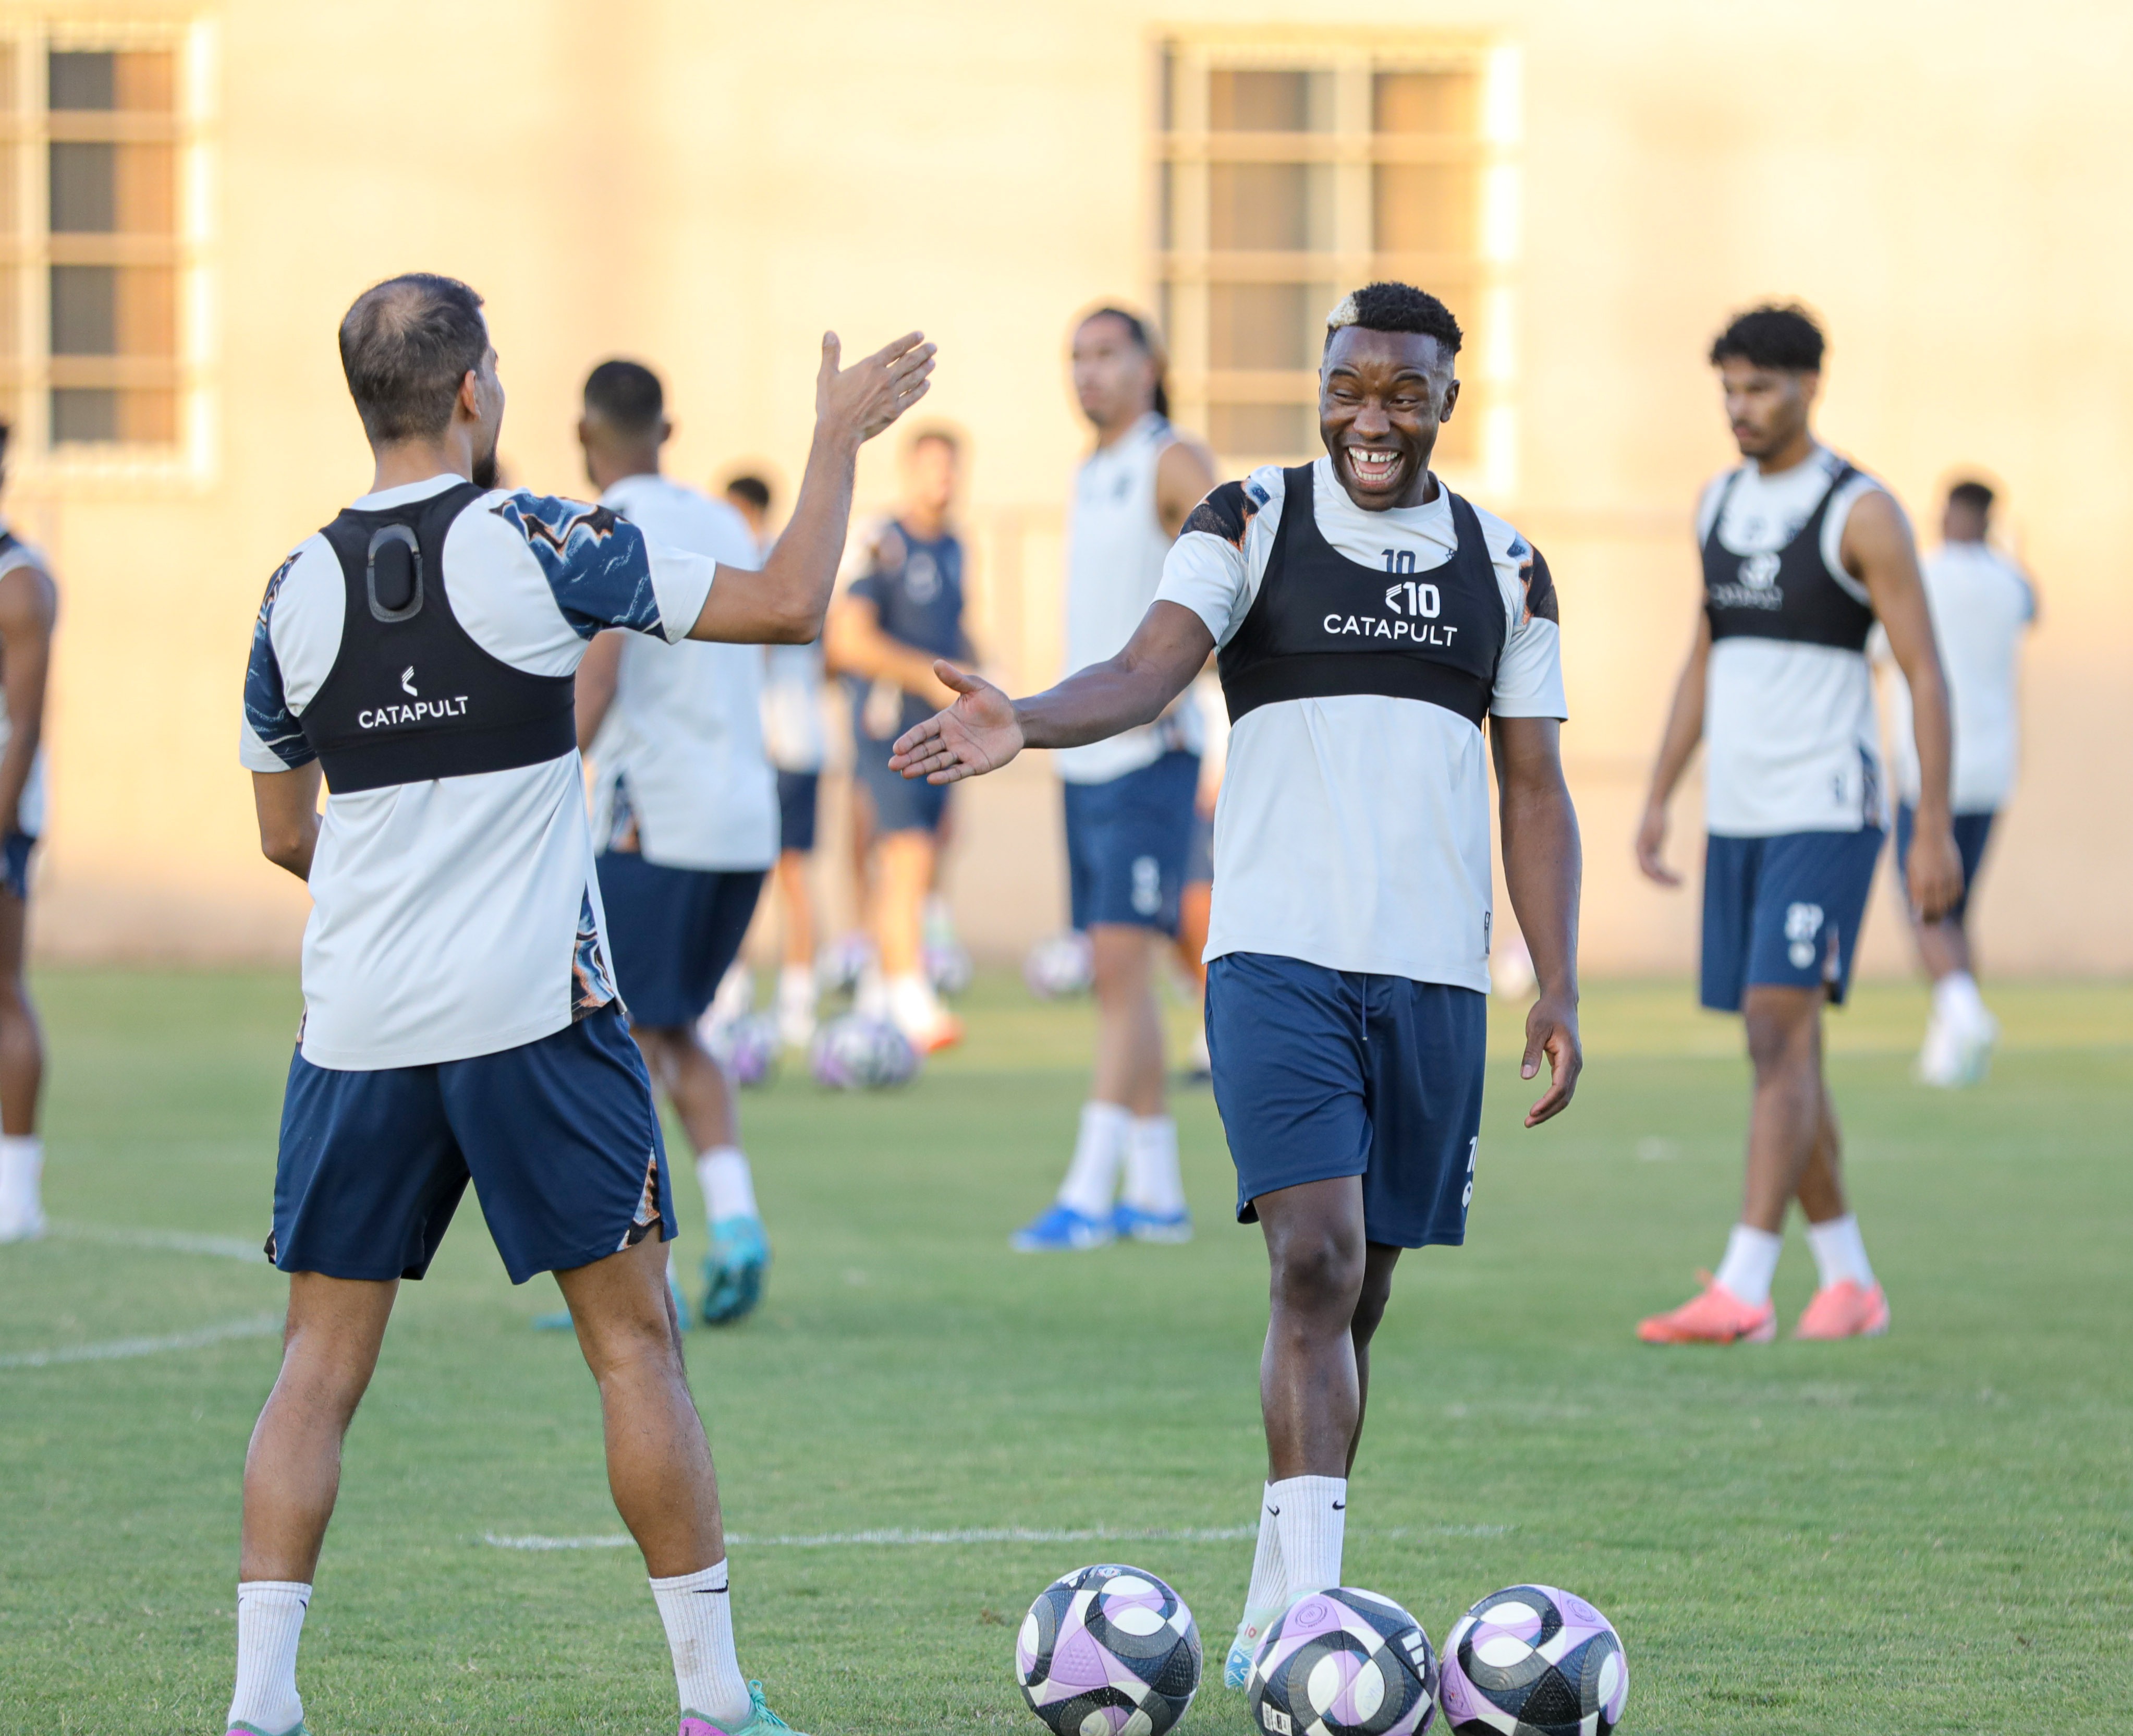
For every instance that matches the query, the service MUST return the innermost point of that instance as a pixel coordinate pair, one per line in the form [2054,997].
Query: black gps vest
[1323,625]
[410,696]
[1789,595]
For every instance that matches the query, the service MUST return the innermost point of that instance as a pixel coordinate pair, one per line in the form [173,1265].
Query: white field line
[113,1350]
[1010,1534]
[175,1242]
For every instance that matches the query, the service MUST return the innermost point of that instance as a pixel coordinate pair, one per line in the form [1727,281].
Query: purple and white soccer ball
[1534,1661]
[1343,1663]
[747,1048]
[1060,965]
[1107,1651]
[858,1053]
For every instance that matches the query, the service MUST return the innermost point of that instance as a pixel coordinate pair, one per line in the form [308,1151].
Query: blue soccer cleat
[1151,1226]
[1062,1230]
[1237,1666]
[734,1269]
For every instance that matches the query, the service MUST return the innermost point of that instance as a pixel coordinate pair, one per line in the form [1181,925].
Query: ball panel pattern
[1343,1662]
[1107,1651]
[1534,1660]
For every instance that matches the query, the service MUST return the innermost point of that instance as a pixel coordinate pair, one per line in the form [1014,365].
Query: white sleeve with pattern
[1215,566]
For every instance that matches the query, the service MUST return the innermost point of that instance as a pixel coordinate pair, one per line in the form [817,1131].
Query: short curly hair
[1396,307]
[1782,335]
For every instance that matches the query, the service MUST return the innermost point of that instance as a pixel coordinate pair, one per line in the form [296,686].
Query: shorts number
[1466,1198]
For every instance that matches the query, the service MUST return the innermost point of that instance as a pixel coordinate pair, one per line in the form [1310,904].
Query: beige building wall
[709,187]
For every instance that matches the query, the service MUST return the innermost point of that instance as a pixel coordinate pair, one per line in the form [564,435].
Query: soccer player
[460,1014]
[904,610]
[29,608]
[685,813]
[1370,624]
[1982,604]
[1803,552]
[1129,799]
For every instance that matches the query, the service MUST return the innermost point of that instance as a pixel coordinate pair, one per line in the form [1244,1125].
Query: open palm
[976,734]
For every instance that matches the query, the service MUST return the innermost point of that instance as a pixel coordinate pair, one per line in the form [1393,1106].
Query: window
[1286,175]
[91,352]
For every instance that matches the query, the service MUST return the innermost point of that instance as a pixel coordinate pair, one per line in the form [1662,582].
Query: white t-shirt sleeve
[601,570]
[1529,673]
[295,638]
[1215,566]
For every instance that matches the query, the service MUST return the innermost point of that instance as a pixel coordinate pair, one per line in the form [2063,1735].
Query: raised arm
[1877,551]
[785,602]
[1544,868]
[29,605]
[1684,729]
[985,729]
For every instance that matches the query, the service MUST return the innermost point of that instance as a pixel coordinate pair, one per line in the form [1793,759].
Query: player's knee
[1318,1271]
[1781,1039]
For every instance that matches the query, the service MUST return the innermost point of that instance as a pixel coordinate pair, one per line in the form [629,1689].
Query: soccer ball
[1343,1663]
[1059,966]
[840,965]
[747,1048]
[1107,1651]
[948,966]
[857,1054]
[1534,1661]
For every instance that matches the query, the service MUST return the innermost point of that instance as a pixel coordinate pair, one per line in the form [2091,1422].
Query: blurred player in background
[460,1018]
[1803,552]
[903,611]
[685,813]
[1370,623]
[1129,798]
[793,735]
[29,607]
[1982,604]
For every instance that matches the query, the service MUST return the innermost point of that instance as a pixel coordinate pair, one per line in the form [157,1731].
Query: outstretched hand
[977,733]
[1551,1031]
[864,398]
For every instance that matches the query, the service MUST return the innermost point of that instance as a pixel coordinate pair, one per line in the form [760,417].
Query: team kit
[560,768]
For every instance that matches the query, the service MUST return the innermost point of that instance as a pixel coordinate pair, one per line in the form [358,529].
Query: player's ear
[1451,398]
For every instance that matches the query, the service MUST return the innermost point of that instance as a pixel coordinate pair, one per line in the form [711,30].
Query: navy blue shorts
[1199,856]
[797,792]
[559,1136]
[673,931]
[1127,840]
[1784,912]
[1320,1074]
[900,803]
[15,862]
[1973,832]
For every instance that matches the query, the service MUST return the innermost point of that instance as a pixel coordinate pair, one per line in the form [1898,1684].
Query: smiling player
[1371,624]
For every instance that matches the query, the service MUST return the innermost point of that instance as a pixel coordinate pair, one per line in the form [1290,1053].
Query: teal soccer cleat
[733,1271]
[762,1721]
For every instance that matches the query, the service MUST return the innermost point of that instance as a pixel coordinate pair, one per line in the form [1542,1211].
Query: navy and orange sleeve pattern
[1227,513]
[266,701]
[597,565]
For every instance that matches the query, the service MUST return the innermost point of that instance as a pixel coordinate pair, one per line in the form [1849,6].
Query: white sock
[796,989]
[1093,1177]
[913,1008]
[698,1611]
[1839,1252]
[1313,1518]
[270,1621]
[1750,1262]
[1268,1594]
[1957,1001]
[21,1166]
[1152,1182]
[729,1186]
[735,998]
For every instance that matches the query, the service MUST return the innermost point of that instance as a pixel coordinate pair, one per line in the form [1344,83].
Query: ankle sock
[1092,1179]
[1957,1001]
[1152,1182]
[728,1183]
[22,1169]
[1750,1262]
[270,1622]
[697,1610]
[1839,1252]
[1311,1519]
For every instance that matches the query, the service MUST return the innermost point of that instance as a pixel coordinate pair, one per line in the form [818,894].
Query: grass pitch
[1933,1533]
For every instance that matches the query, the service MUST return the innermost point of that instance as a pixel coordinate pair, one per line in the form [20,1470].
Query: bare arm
[1544,867]
[855,644]
[1684,729]
[985,729]
[1877,551]
[784,602]
[1183,475]
[288,805]
[29,606]
[597,675]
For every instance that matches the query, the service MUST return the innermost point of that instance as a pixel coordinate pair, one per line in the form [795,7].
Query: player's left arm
[599,672]
[288,808]
[1184,474]
[1544,867]
[1878,551]
[29,608]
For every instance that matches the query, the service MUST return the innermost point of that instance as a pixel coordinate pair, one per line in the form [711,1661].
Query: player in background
[1803,552]
[1982,604]
[29,608]
[904,610]
[1129,799]
[1370,623]
[460,1018]
[685,814]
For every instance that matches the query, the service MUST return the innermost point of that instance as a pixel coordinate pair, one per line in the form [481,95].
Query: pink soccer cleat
[1844,1310]
[1715,1317]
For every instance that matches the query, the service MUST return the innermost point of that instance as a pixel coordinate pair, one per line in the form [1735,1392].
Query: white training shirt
[1982,605]
[458,916]
[793,732]
[1353,831]
[29,810]
[1115,548]
[678,763]
[1789,736]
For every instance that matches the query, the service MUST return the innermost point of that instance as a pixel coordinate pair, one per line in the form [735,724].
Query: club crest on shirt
[1755,584]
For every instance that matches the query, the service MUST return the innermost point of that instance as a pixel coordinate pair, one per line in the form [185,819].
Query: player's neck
[926,523]
[404,461]
[1110,434]
[1790,457]
[607,469]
